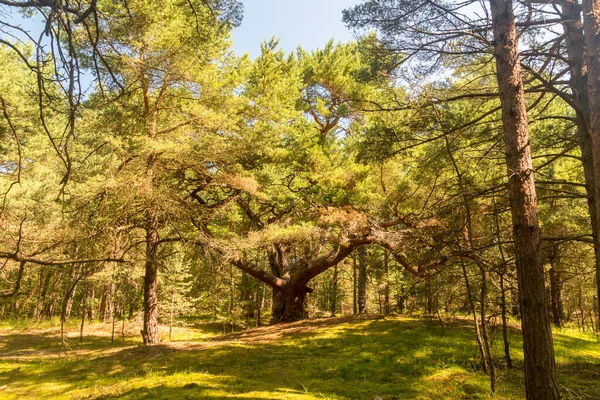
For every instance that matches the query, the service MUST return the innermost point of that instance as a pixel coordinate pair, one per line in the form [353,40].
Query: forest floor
[334,358]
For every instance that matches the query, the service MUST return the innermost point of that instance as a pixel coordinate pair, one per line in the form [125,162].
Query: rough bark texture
[540,368]
[575,43]
[289,304]
[591,22]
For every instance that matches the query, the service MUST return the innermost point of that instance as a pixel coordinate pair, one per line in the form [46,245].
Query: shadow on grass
[338,358]
[166,392]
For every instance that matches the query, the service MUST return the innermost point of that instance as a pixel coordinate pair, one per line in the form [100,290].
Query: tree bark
[591,24]
[150,330]
[575,44]
[289,303]
[540,368]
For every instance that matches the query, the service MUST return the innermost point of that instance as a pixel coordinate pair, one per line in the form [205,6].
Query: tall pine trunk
[591,25]
[540,368]
[575,44]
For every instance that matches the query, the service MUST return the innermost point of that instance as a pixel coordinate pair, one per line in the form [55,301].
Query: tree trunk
[354,287]
[83,313]
[556,291]
[504,322]
[42,289]
[258,302]
[70,295]
[150,330]
[289,303]
[540,368]
[52,297]
[246,296]
[575,43]
[591,24]
[484,330]
[334,290]
[362,280]
[478,337]
[105,303]
[90,307]
[386,283]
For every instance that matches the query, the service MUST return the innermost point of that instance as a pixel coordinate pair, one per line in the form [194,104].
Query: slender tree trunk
[27,300]
[52,295]
[171,311]
[540,368]
[555,290]
[386,282]
[150,330]
[83,313]
[362,280]
[70,295]
[90,307]
[246,296]
[504,323]
[580,305]
[103,311]
[483,338]
[478,337]
[123,321]
[42,289]
[502,274]
[591,24]
[334,290]
[484,329]
[258,299]
[354,287]
[429,305]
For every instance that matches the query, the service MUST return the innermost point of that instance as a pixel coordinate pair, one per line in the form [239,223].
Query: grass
[338,358]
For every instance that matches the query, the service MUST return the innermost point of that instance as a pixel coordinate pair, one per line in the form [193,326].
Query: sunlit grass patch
[323,359]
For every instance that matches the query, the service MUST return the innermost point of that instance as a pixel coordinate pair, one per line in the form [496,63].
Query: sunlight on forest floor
[336,358]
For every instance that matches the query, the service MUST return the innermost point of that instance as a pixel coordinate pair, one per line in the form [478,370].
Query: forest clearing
[397,199]
[332,358]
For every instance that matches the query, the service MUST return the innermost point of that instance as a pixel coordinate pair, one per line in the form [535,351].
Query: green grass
[343,358]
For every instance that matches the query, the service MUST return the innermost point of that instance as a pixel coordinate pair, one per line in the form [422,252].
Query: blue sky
[306,23]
